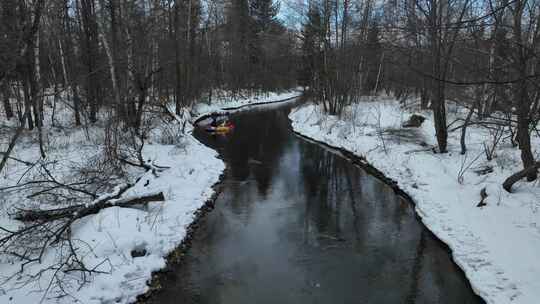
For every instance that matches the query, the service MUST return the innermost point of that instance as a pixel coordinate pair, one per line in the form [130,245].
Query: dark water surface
[296,223]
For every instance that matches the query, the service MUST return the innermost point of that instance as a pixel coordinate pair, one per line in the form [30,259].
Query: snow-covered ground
[106,239]
[498,245]
[225,102]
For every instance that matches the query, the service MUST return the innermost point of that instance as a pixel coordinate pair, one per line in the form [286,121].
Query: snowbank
[226,103]
[498,245]
[107,239]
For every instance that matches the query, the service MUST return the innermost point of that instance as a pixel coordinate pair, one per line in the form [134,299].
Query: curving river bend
[296,223]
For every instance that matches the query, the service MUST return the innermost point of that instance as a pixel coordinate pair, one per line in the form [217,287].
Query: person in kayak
[214,122]
[219,124]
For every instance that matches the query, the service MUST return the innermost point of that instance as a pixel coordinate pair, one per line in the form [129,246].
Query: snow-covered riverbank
[112,235]
[497,245]
[229,104]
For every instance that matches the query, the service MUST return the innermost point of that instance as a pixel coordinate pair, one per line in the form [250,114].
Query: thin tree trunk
[76,105]
[63,63]
[11,146]
[462,140]
[112,69]
[37,94]
[27,100]
[379,74]
[439,115]
[5,100]
[89,25]
[37,98]
[180,89]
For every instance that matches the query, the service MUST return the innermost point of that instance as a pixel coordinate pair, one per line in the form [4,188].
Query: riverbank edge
[364,164]
[230,110]
[176,257]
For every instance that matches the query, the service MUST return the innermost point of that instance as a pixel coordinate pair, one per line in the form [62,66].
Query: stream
[296,223]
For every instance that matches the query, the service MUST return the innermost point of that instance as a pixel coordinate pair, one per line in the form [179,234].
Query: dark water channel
[296,223]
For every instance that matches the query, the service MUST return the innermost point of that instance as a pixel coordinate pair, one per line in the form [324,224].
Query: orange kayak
[221,129]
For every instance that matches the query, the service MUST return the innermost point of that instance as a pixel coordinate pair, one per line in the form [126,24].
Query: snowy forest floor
[496,245]
[107,240]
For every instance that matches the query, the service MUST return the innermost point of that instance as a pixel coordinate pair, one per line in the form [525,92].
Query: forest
[122,57]
[87,86]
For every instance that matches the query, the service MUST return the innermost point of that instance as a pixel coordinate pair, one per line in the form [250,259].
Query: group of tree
[115,56]
[118,57]
[483,54]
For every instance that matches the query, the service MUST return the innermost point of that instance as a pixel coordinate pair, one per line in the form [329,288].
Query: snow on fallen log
[112,199]
[514,178]
[44,229]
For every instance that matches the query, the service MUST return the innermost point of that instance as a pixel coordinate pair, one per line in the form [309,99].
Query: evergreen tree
[263,27]
[264,13]
[311,38]
[238,36]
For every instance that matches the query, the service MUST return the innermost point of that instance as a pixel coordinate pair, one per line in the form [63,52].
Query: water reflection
[258,147]
[298,224]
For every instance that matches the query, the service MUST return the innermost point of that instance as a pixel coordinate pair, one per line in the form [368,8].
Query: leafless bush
[490,148]
[170,133]
[466,166]
[379,129]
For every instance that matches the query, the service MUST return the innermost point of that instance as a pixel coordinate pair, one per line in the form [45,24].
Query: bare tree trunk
[131,82]
[521,95]
[5,100]
[178,90]
[189,50]
[67,55]
[378,75]
[76,105]
[13,141]
[438,104]
[523,135]
[27,98]
[111,55]
[89,28]
[5,155]
[464,131]
[63,63]
[36,96]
